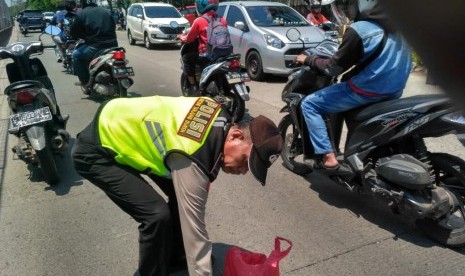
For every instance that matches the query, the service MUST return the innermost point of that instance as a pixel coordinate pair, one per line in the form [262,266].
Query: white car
[48,16]
[155,23]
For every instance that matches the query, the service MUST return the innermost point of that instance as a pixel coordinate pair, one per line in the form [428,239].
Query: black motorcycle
[221,80]
[35,116]
[386,152]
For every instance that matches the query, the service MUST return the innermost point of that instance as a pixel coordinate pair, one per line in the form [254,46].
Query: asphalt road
[74,229]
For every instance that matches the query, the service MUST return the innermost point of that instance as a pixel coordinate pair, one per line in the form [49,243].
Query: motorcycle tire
[292,153]
[184,85]
[450,174]
[123,92]
[48,165]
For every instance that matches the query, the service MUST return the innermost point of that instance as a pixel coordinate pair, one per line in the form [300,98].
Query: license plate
[28,118]
[237,77]
[122,72]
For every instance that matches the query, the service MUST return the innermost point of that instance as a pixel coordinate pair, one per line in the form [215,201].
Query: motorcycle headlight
[273,41]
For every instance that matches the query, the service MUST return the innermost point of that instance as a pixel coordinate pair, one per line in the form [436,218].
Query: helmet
[85,3]
[70,5]
[356,8]
[206,5]
[366,5]
[315,5]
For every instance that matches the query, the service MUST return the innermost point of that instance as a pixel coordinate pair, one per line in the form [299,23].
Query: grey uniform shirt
[191,186]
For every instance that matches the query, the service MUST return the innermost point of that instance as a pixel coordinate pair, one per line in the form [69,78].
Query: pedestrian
[180,143]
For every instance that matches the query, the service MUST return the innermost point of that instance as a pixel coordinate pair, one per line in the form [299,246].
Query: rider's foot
[59,60]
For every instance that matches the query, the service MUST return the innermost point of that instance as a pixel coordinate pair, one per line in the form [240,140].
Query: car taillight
[119,55]
[235,65]
[24,96]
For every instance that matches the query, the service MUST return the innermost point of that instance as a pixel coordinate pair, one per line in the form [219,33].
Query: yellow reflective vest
[142,132]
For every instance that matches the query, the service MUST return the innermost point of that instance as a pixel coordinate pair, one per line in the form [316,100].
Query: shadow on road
[371,209]
[72,178]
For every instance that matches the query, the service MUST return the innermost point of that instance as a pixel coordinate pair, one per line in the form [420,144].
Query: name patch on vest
[198,119]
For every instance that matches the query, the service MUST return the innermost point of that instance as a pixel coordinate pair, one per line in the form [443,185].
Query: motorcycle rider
[58,20]
[382,79]
[180,143]
[315,17]
[97,27]
[198,36]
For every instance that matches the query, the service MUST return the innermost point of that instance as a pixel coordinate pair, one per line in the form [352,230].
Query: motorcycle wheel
[292,153]
[450,174]
[184,85]
[123,92]
[48,165]
[236,109]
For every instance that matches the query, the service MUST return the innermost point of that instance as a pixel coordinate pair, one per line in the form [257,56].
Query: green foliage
[44,5]
[416,58]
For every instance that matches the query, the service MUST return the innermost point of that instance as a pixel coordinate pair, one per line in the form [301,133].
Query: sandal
[339,169]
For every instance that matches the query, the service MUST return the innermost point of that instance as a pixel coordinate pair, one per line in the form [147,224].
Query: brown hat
[266,147]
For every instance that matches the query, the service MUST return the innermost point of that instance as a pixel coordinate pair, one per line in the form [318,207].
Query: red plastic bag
[244,263]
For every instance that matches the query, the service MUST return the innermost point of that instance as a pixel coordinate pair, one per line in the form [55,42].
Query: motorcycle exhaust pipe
[58,142]
[126,83]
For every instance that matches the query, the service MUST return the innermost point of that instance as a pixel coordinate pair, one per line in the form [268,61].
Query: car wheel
[147,42]
[131,39]
[254,66]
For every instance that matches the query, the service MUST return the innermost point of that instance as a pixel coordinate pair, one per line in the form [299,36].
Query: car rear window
[33,13]
[269,16]
[162,12]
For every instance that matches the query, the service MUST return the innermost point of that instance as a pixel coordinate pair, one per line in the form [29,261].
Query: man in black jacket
[98,28]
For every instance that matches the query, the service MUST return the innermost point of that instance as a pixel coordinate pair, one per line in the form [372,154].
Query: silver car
[258,32]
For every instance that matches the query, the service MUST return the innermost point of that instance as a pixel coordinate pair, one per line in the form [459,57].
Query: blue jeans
[333,99]
[82,56]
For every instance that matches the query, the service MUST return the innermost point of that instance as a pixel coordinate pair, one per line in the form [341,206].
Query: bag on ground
[244,263]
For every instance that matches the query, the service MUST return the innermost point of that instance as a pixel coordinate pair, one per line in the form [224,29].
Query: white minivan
[155,23]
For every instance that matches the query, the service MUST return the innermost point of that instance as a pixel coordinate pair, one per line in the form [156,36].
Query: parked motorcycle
[386,152]
[109,75]
[35,116]
[223,81]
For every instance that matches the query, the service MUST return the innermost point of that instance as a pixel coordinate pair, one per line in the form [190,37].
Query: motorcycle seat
[372,110]
[12,88]
[107,50]
[230,57]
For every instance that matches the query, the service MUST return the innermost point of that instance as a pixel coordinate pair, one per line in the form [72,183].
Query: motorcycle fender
[241,90]
[285,109]
[36,136]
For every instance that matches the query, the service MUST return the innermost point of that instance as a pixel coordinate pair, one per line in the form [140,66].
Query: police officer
[180,143]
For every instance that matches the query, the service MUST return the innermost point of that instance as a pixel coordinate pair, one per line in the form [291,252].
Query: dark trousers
[190,61]
[160,237]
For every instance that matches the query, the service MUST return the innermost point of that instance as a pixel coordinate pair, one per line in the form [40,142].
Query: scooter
[385,151]
[35,116]
[109,75]
[223,81]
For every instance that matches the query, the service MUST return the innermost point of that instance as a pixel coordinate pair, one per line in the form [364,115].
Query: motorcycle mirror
[174,24]
[293,34]
[326,2]
[52,30]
